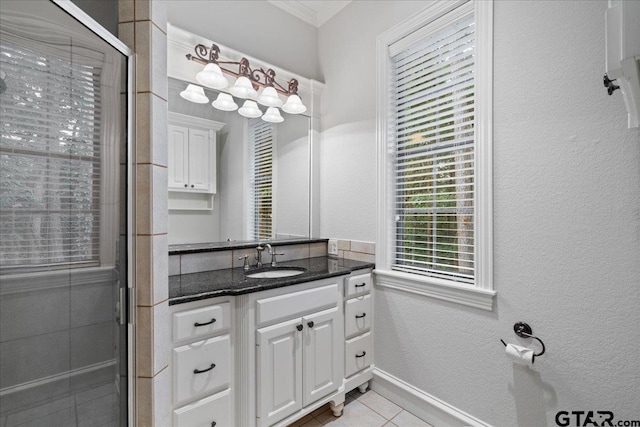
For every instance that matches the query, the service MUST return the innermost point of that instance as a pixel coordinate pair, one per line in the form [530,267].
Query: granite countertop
[233,281]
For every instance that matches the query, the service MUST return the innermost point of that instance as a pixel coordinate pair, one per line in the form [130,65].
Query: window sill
[439,289]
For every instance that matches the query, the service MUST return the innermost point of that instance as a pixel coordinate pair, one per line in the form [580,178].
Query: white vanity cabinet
[192,154]
[202,367]
[297,365]
[358,317]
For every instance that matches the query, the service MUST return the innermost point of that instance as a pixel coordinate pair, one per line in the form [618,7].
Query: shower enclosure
[64,228]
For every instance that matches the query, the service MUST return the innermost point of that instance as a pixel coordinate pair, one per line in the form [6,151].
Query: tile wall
[357,250]
[143,27]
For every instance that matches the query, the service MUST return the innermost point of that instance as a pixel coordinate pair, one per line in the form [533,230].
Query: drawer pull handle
[361,355]
[360,316]
[205,324]
[197,371]
[299,327]
[359,286]
[310,324]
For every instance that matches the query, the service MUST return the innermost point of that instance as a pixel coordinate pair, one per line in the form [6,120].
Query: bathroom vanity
[267,351]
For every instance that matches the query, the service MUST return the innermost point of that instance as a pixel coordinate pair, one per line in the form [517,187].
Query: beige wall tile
[125,11]
[161,337]
[144,401]
[291,252]
[358,256]
[159,135]
[317,249]
[143,199]
[143,128]
[160,212]
[159,14]
[144,263]
[144,341]
[205,261]
[143,51]
[363,247]
[125,33]
[160,268]
[174,265]
[158,73]
[143,10]
[344,245]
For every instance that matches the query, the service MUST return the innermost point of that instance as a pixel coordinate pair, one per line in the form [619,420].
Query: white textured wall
[256,28]
[567,219]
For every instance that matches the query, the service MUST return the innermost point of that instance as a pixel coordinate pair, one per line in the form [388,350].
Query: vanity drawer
[357,315]
[201,367]
[201,321]
[286,306]
[205,412]
[357,354]
[358,285]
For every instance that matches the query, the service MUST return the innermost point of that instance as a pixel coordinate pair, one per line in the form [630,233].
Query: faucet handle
[273,258]
[246,261]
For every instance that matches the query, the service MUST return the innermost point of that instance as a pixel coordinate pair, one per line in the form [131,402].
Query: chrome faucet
[259,255]
[273,255]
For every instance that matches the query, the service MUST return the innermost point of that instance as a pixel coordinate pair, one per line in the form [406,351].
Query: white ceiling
[314,12]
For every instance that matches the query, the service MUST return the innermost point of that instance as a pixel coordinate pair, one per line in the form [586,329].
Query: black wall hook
[523,330]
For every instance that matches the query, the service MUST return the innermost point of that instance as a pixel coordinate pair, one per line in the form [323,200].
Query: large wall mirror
[262,178]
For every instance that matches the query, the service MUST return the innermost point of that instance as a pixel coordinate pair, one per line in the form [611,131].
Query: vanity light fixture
[246,87]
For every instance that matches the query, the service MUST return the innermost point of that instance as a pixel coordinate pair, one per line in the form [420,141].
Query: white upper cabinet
[192,154]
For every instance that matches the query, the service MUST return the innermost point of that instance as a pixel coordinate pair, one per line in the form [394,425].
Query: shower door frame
[127,300]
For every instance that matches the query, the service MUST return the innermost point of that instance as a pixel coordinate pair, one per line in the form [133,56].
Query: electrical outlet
[332,248]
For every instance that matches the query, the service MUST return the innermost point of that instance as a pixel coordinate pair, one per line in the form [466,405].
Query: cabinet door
[178,157]
[199,167]
[279,379]
[321,355]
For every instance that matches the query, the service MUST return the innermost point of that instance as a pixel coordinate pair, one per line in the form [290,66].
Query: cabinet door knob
[360,316]
[310,324]
[197,371]
[205,324]
[361,355]
[299,327]
[191,185]
[213,423]
[185,186]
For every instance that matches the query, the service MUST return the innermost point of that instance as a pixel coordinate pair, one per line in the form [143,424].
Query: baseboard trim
[423,405]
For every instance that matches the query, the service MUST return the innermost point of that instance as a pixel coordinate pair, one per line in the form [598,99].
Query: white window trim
[480,295]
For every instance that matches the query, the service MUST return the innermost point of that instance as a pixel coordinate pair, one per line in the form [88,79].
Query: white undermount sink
[273,274]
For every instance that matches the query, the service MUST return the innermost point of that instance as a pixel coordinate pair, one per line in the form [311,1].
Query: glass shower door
[63,221]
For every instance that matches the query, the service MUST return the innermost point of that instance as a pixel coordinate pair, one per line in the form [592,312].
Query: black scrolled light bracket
[523,330]
[258,77]
[608,83]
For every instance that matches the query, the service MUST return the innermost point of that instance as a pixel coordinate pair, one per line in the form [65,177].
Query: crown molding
[309,15]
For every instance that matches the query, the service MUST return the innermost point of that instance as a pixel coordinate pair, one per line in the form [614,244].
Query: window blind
[49,159]
[433,152]
[261,179]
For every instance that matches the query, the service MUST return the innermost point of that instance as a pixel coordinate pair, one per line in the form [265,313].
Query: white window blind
[261,179]
[433,156]
[49,159]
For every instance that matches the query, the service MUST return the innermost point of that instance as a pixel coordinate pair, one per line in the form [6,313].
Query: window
[261,137]
[435,141]
[49,160]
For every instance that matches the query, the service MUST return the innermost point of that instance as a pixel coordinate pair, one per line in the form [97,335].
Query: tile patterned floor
[96,407]
[363,410]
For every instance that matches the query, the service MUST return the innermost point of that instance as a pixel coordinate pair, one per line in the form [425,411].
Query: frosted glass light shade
[243,88]
[195,94]
[272,115]
[212,76]
[294,105]
[269,98]
[224,102]
[250,109]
